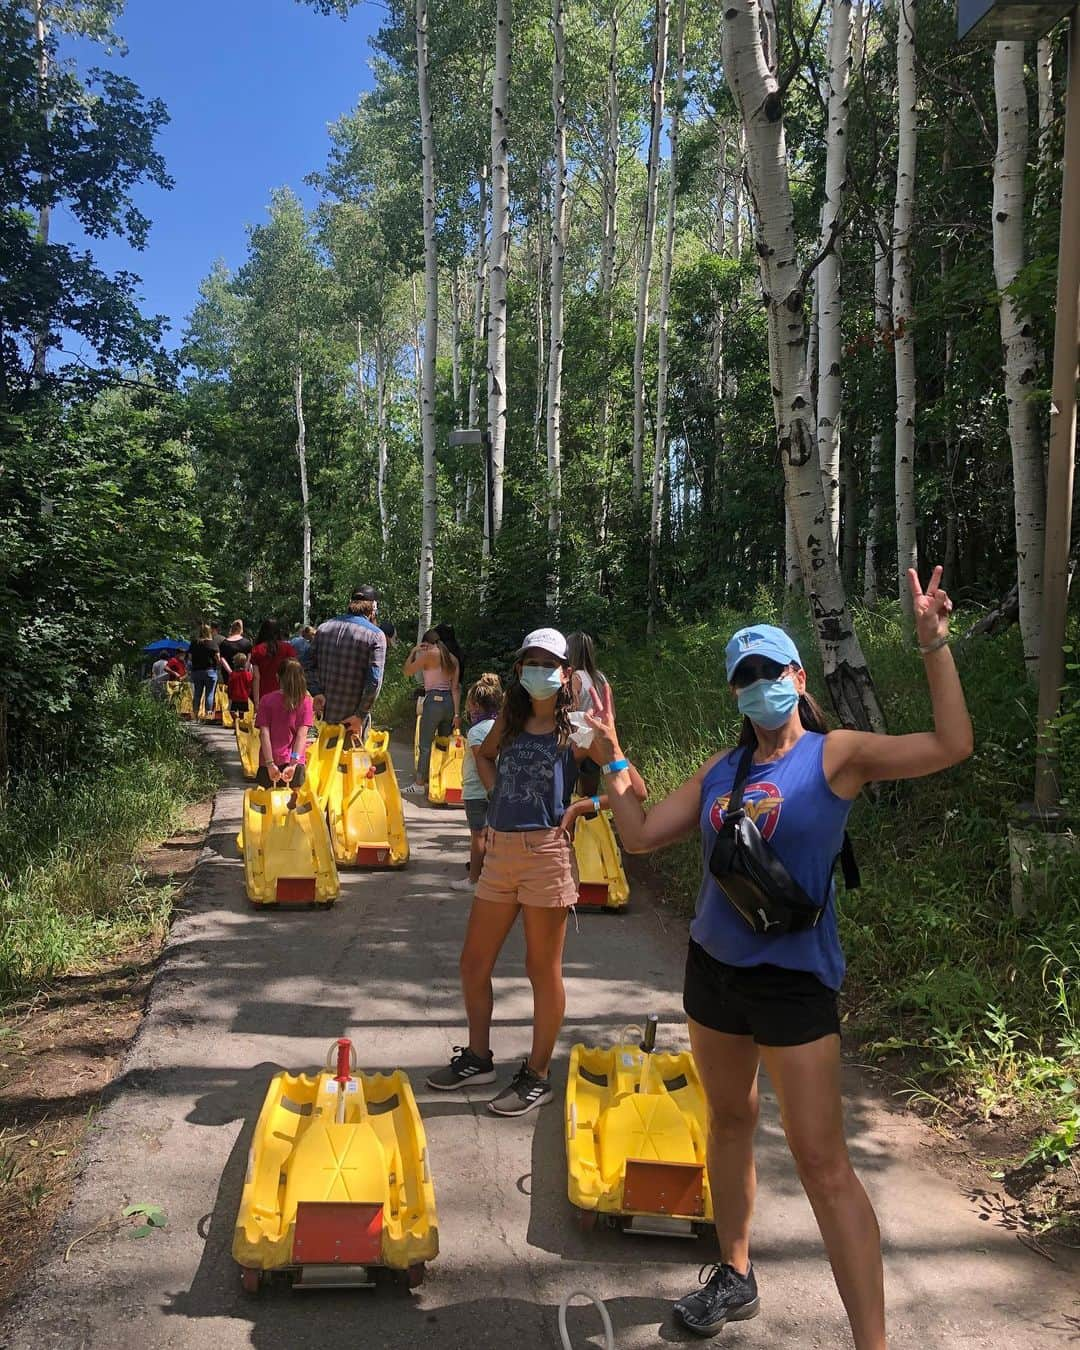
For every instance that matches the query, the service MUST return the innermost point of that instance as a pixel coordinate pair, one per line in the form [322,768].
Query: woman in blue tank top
[753,997]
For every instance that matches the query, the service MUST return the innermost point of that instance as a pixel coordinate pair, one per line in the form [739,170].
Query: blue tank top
[533,783]
[793,806]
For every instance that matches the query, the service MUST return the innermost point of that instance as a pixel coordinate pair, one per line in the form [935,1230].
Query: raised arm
[416,661]
[641,831]
[854,758]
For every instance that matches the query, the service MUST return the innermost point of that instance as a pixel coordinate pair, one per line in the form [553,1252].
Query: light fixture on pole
[478,436]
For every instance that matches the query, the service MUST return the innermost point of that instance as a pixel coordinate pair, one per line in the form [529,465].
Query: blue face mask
[768,703]
[541,682]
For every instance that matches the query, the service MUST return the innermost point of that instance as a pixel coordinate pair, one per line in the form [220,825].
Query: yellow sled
[444,775]
[247,743]
[367,822]
[602,882]
[179,692]
[635,1138]
[287,854]
[221,704]
[338,1180]
[323,758]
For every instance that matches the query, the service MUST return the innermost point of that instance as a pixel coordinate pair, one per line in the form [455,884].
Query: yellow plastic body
[612,1118]
[280,843]
[247,743]
[298,1154]
[367,822]
[599,858]
[444,776]
[179,692]
[221,703]
[323,758]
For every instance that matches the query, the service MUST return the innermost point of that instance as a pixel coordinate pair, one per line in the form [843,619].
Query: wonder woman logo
[761,802]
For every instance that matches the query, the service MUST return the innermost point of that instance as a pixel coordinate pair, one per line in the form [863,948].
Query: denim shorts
[476,809]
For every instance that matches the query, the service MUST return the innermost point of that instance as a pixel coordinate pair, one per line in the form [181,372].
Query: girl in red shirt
[240,682]
[267,657]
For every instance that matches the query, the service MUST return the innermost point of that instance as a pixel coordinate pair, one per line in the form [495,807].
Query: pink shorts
[528,867]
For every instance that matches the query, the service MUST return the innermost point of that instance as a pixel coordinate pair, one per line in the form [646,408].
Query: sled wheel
[414,1276]
[588,1220]
[324,904]
[250,1280]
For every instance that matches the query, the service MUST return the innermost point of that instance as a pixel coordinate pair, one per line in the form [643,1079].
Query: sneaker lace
[461,1052]
[718,1274]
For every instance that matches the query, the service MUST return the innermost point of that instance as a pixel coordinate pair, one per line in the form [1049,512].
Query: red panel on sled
[295,888]
[592,893]
[334,1232]
[372,857]
[453,796]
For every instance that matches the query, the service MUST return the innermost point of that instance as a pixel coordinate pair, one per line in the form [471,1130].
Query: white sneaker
[416,790]
[463,884]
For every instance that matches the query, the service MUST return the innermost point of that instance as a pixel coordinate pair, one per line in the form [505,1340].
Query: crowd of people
[764,964]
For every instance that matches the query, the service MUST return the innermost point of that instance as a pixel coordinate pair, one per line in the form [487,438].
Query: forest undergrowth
[71,890]
[973,1008]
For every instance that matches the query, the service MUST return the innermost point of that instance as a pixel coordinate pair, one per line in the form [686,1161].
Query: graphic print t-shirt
[800,816]
[533,784]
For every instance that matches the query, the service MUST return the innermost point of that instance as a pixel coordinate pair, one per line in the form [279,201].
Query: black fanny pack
[754,880]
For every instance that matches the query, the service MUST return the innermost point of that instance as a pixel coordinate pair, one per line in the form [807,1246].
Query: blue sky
[250,86]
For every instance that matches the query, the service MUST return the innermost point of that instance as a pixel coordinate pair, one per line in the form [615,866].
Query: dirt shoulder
[59,1050]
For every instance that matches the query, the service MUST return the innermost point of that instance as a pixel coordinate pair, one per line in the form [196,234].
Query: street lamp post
[477,436]
[1020,21]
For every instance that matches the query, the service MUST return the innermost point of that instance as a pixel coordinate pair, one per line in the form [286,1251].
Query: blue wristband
[596,804]
[616,765]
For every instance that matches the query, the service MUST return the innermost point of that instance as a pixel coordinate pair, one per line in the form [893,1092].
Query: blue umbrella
[167,645]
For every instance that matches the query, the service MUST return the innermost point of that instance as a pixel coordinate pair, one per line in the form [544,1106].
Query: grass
[986,1005]
[71,891]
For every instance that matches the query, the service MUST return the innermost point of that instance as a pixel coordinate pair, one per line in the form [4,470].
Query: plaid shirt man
[345,664]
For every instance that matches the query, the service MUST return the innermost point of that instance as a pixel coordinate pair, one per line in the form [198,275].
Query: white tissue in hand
[582,735]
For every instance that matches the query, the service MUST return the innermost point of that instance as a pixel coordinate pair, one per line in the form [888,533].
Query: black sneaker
[726,1296]
[463,1069]
[524,1091]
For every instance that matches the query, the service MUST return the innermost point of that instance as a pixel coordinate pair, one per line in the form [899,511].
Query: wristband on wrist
[596,804]
[294,758]
[616,765]
[934,646]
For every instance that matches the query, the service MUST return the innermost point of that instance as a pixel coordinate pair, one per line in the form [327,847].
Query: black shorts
[262,778]
[773,1005]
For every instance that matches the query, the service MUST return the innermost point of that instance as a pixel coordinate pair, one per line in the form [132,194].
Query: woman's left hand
[931,607]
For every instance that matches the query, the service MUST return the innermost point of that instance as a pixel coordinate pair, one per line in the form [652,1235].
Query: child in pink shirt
[283,718]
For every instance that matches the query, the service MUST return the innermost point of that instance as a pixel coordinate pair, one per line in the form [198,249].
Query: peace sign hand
[601,718]
[932,607]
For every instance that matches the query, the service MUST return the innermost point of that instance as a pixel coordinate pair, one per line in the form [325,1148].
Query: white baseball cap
[547,640]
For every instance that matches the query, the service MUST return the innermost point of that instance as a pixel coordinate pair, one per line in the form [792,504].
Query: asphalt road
[241,993]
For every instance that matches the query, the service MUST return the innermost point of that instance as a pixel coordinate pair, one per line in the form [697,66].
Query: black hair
[270,634]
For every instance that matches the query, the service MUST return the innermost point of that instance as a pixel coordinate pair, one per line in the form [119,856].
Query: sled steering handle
[648,1040]
[344,1054]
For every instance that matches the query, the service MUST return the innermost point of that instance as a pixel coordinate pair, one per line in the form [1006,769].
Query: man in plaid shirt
[345,662]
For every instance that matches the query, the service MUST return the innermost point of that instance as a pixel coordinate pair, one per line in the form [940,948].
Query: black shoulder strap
[849,865]
[741,775]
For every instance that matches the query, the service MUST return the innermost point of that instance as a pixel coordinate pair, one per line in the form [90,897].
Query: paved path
[240,993]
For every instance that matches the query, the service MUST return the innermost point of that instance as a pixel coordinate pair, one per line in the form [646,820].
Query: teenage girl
[587,677]
[283,718]
[753,998]
[441,669]
[482,705]
[266,658]
[528,763]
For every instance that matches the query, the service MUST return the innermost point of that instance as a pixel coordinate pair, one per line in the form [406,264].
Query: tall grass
[70,887]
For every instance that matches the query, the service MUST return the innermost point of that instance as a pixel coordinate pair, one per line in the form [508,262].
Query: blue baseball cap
[763,639]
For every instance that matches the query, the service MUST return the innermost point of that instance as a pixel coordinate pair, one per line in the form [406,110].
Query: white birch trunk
[660,445]
[305,505]
[41,337]
[793,587]
[380,437]
[827,282]
[651,190]
[498,265]
[455,341]
[1044,66]
[555,306]
[740,169]
[757,96]
[882,320]
[1018,341]
[431,321]
[609,244]
[902,282]
[479,281]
